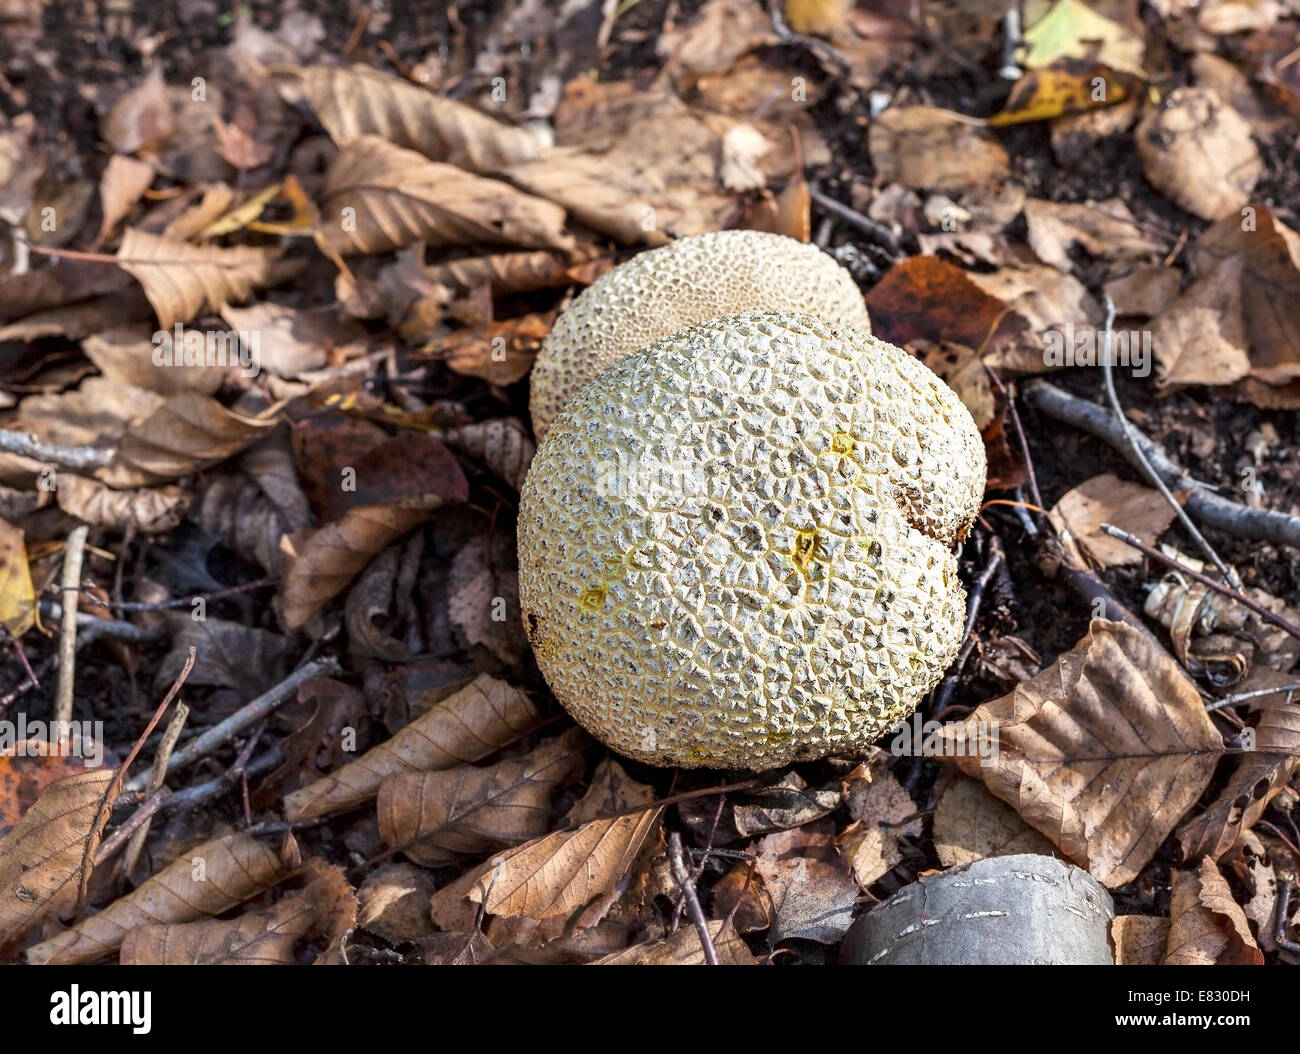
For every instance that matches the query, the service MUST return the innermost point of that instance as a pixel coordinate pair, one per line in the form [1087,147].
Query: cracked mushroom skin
[694,279]
[736,546]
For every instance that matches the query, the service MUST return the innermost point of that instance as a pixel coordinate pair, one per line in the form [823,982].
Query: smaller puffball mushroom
[692,280]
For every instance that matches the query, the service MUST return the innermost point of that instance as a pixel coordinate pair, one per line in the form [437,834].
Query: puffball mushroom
[692,280]
[736,545]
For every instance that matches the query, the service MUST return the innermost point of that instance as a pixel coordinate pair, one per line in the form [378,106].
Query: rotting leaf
[1206,926]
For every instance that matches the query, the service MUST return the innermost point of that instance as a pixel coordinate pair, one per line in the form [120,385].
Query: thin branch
[1230,517]
[73,458]
[220,734]
[69,587]
[157,773]
[1108,373]
[692,898]
[1242,697]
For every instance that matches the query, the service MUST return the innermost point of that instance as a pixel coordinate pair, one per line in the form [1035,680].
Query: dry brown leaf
[393,903]
[611,791]
[207,880]
[1260,774]
[124,354]
[256,938]
[187,432]
[789,802]
[141,117]
[684,948]
[150,510]
[216,201]
[1206,926]
[1241,316]
[396,487]
[1105,229]
[926,148]
[970,824]
[463,728]
[1146,291]
[1139,939]
[1108,499]
[1103,752]
[559,873]
[292,342]
[17,599]
[124,180]
[924,300]
[182,280]
[503,273]
[1197,151]
[380,197]
[356,101]
[812,899]
[40,857]
[501,445]
[483,597]
[712,41]
[883,812]
[436,818]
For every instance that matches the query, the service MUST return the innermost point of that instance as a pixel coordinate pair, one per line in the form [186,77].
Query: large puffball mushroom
[692,280]
[736,546]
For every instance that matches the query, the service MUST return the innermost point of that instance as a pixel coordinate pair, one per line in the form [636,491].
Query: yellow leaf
[17,600]
[1073,30]
[1071,86]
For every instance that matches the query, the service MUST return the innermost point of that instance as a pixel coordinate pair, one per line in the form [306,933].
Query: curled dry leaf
[1260,775]
[141,117]
[970,824]
[789,802]
[463,728]
[256,938]
[356,101]
[187,432]
[149,510]
[1198,152]
[503,273]
[393,903]
[205,881]
[1140,510]
[499,352]
[292,342]
[437,817]
[1102,752]
[556,875]
[380,197]
[684,948]
[17,599]
[1206,926]
[40,857]
[181,280]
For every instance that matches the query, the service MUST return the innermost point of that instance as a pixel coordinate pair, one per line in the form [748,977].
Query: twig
[1279,924]
[1233,700]
[202,793]
[1020,435]
[265,704]
[882,234]
[157,773]
[32,679]
[144,812]
[972,610]
[692,898]
[1108,374]
[73,458]
[1239,521]
[92,627]
[1206,580]
[69,588]
[110,792]
[180,602]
